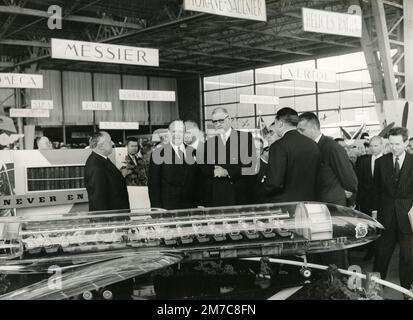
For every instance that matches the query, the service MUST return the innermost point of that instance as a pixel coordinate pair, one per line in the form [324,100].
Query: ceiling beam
[27,43]
[9,21]
[82,19]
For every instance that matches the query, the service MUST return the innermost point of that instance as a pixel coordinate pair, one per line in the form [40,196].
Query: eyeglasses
[219,120]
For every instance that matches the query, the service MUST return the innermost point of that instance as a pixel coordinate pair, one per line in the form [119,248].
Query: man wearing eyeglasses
[229,163]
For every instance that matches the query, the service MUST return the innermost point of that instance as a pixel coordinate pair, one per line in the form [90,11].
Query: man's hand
[348,194]
[220,172]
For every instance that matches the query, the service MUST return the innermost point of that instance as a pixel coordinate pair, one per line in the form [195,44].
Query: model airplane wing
[94,276]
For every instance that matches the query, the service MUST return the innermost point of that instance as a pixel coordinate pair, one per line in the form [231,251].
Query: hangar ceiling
[189,43]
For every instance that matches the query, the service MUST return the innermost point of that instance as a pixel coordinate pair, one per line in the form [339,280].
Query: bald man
[43,143]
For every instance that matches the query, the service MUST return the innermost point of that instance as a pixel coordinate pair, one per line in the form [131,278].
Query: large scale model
[98,249]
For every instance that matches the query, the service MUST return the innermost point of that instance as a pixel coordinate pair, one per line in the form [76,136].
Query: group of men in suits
[303,165]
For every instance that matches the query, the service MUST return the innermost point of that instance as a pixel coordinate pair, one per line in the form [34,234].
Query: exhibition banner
[29,113]
[308,74]
[146,95]
[103,52]
[21,80]
[321,21]
[42,104]
[105,125]
[244,9]
[246,98]
[97,105]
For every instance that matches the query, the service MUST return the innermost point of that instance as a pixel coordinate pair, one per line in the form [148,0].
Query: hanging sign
[119,125]
[21,80]
[308,74]
[246,98]
[321,21]
[103,52]
[42,104]
[29,113]
[146,95]
[244,9]
[97,105]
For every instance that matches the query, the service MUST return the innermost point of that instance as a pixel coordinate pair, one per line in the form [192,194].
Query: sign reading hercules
[102,52]
[21,80]
[244,9]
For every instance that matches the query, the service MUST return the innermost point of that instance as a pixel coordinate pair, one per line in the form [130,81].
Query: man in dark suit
[229,163]
[337,180]
[393,198]
[365,170]
[293,162]
[172,183]
[104,183]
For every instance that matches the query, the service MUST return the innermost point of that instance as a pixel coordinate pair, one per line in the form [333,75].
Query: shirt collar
[100,154]
[378,156]
[401,157]
[194,144]
[317,140]
[288,130]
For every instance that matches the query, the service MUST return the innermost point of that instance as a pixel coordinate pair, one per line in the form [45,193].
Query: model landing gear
[103,293]
[305,271]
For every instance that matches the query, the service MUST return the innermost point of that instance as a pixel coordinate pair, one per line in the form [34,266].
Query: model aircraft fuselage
[226,232]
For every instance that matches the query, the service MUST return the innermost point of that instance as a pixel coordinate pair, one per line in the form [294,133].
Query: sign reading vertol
[146,95]
[308,74]
[332,22]
[244,9]
[21,80]
[102,52]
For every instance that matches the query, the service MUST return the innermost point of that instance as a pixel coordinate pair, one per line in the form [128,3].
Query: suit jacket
[237,188]
[365,184]
[172,184]
[393,199]
[292,169]
[105,185]
[336,173]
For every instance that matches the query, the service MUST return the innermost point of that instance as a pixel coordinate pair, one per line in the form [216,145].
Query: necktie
[396,168]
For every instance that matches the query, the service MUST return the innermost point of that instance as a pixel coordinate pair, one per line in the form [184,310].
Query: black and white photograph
[206,156]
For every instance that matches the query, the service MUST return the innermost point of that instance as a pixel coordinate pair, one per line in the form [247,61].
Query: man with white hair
[105,185]
[43,143]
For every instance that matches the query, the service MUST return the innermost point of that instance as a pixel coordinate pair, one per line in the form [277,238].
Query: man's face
[306,129]
[105,144]
[376,147]
[132,147]
[45,144]
[177,133]
[271,135]
[221,121]
[409,148]
[397,145]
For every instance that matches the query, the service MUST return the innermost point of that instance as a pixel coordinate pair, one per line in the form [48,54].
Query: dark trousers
[384,250]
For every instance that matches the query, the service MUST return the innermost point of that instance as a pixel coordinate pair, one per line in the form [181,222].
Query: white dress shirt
[318,138]
[181,147]
[373,161]
[225,136]
[401,159]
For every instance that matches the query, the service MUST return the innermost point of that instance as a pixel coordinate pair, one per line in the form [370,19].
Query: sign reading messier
[102,52]
[245,9]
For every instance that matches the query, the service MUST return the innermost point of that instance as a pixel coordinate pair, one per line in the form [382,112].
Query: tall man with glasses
[229,163]
[393,199]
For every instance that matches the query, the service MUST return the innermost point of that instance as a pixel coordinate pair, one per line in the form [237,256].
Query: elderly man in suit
[172,171]
[393,199]
[337,180]
[293,162]
[229,163]
[104,183]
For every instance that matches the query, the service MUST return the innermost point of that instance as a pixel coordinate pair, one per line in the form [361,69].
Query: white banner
[42,104]
[308,74]
[29,113]
[97,105]
[332,22]
[244,9]
[146,95]
[119,125]
[21,80]
[246,98]
[102,52]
